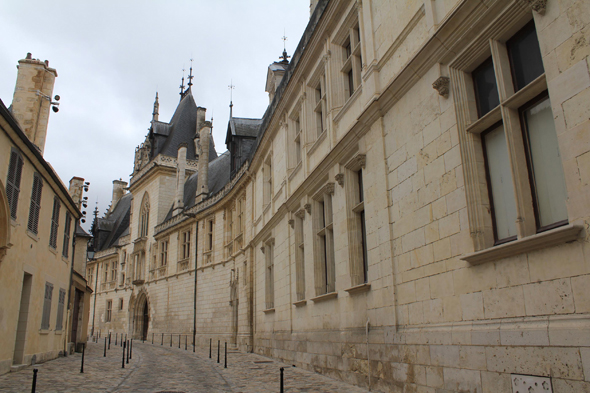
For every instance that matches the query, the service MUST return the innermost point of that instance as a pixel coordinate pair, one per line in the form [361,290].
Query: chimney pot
[29,56]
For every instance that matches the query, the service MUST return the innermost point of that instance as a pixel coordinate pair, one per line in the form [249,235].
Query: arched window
[144,217]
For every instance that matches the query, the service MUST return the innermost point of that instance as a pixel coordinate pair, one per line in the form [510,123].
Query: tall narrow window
[33,224]
[144,217]
[106,271]
[300,255]
[357,230]
[114,269]
[47,306]
[270,274]
[90,275]
[120,304]
[15,168]
[54,223]
[210,227]
[486,90]
[60,309]
[109,311]
[186,244]
[525,56]
[325,276]
[67,227]
[320,105]
[268,185]
[164,253]
[351,68]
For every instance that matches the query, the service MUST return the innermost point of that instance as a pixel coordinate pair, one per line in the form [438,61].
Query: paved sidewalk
[156,368]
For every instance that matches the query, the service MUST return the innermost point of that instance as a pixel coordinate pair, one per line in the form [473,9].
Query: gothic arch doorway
[141,317]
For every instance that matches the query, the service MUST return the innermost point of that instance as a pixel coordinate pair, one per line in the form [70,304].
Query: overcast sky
[112,56]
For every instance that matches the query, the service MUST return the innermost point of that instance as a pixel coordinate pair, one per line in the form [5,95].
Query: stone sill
[359,289]
[300,303]
[138,282]
[550,238]
[325,296]
[44,331]
[269,311]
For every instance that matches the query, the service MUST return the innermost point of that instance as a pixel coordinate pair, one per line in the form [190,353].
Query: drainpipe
[368,359]
[95,291]
[195,291]
[70,288]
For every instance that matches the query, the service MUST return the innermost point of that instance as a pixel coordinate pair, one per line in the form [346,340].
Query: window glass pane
[549,181]
[498,165]
[525,56]
[486,92]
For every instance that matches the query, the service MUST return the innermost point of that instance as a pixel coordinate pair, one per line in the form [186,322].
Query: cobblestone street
[156,368]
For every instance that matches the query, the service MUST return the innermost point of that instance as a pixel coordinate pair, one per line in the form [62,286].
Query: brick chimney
[76,190]
[32,98]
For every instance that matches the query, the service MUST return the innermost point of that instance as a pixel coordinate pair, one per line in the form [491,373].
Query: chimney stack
[118,192]
[203,177]
[180,177]
[75,190]
[32,98]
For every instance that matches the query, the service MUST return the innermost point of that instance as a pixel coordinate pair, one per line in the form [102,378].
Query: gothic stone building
[410,214]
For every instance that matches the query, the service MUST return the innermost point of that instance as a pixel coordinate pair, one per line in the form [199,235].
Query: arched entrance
[141,317]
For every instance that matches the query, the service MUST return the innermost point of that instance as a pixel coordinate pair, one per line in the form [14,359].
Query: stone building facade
[41,308]
[410,214]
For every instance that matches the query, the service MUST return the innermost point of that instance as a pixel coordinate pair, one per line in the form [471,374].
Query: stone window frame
[317,106]
[241,222]
[144,216]
[348,41]
[295,140]
[355,208]
[163,251]
[267,182]
[209,240]
[185,244]
[121,304]
[299,238]
[269,276]
[228,216]
[105,268]
[323,245]
[492,42]
[114,270]
[109,310]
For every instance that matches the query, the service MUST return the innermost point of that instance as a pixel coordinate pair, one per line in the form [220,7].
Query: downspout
[195,291]
[95,292]
[368,359]
[70,288]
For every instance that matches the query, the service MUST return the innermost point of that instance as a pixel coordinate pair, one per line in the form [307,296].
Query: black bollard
[162,339]
[225,359]
[131,351]
[152,338]
[125,337]
[170,340]
[109,342]
[179,341]
[116,338]
[105,347]
[282,386]
[123,361]
[34,387]
[218,343]
[193,342]
[127,342]
[210,340]
[83,350]
[185,342]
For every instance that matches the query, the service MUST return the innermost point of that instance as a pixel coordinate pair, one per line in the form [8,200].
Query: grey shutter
[47,306]
[13,181]
[54,223]
[60,309]
[67,227]
[33,224]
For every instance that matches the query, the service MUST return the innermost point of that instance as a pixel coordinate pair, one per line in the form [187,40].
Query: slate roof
[244,127]
[182,128]
[114,224]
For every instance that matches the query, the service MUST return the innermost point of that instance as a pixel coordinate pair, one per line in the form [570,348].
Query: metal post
[225,360]
[170,340]
[105,347]
[116,338]
[34,387]
[152,338]
[109,340]
[123,361]
[210,341]
[131,350]
[218,343]
[282,385]
[185,342]
[125,336]
[162,339]
[193,342]
[127,342]
[83,350]
[179,341]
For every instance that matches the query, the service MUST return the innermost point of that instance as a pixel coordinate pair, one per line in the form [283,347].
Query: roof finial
[182,84]
[285,57]
[231,103]
[190,76]
[156,111]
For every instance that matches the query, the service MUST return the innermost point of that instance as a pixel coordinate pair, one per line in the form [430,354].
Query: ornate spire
[190,75]
[156,111]
[231,103]
[182,84]
[285,57]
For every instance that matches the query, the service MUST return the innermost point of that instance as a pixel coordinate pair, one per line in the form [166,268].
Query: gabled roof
[115,223]
[243,127]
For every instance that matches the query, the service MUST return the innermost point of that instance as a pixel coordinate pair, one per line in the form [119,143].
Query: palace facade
[411,213]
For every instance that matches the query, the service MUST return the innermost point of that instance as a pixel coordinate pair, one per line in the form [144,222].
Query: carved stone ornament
[340,179]
[300,213]
[307,208]
[538,6]
[442,85]
[292,223]
[357,162]
[330,188]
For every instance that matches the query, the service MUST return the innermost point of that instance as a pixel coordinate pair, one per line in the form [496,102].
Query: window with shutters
[54,223]
[33,224]
[109,310]
[15,168]
[60,309]
[47,306]
[67,228]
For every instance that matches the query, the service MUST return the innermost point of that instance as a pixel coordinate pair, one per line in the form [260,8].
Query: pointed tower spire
[182,85]
[190,75]
[156,113]
[231,103]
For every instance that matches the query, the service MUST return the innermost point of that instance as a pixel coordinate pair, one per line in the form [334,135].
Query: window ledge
[32,235]
[269,311]
[349,102]
[359,288]
[295,170]
[300,303]
[325,296]
[59,332]
[550,238]
[486,121]
[318,142]
[44,331]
